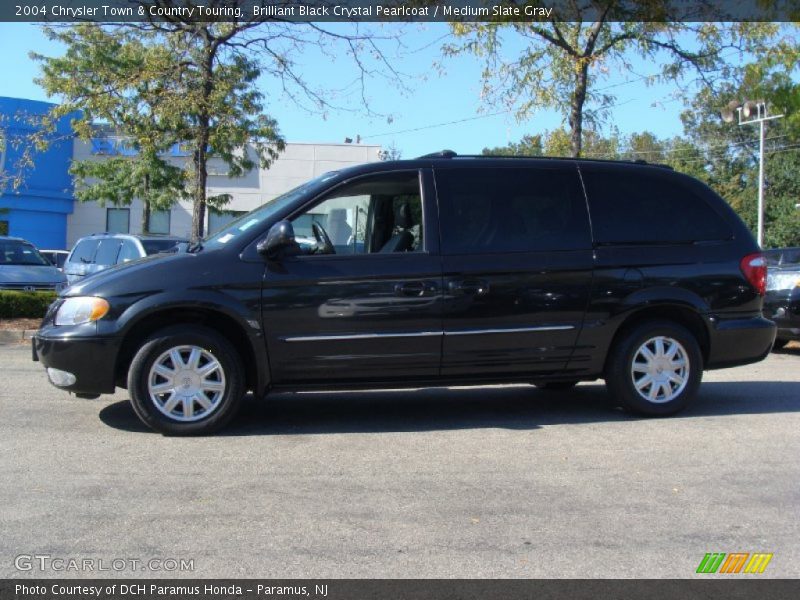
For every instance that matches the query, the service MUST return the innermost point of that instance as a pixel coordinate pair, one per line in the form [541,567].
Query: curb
[14,336]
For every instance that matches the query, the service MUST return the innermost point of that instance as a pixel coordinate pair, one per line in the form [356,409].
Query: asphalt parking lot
[490,482]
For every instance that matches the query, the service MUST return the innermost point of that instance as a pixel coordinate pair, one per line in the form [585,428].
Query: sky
[440,107]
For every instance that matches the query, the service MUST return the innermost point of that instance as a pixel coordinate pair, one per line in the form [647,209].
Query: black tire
[779,344]
[556,386]
[209,341]
[619,377]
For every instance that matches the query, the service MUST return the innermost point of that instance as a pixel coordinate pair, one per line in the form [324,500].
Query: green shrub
[22,305]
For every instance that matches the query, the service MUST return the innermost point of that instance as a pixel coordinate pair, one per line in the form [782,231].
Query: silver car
[98,252]
[23,268]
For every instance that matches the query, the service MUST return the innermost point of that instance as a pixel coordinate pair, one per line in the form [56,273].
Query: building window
[159,221]
[217,219]
[118,220]
[3,227]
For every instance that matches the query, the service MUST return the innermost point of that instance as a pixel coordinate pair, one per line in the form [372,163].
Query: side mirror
[279,237]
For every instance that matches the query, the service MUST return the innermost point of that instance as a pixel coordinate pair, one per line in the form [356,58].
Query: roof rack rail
[451,154]
[440,154]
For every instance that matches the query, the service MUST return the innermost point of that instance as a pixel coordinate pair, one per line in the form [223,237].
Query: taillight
[754,268]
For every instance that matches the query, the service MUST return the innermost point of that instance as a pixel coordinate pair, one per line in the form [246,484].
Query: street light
[753,112]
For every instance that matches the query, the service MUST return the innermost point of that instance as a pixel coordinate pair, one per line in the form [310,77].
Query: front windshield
[258,216]
[13,252]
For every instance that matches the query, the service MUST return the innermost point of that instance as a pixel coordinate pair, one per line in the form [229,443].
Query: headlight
[783,281]
[75,311]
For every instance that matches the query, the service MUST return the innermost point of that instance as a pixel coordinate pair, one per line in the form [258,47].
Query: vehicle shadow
[512,407]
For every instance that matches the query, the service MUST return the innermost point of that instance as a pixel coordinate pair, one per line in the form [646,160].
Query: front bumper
[739,341]
[91,360]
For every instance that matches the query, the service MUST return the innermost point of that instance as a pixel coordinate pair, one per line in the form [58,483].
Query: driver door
[363,299]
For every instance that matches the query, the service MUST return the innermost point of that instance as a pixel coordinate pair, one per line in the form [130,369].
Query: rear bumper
[789,333]
[787,318]
[90,360]
[734,342]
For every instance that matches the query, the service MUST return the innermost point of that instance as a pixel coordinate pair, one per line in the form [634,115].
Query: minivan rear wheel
[655,368]
[186,380]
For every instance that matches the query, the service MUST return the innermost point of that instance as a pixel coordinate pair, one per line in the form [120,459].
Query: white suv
[99,251]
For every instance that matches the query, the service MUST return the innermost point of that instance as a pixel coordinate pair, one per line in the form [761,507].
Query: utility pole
[754,112]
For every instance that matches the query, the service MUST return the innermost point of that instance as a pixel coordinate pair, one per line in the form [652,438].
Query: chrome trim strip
[512,330]
[359,336]
[368,336]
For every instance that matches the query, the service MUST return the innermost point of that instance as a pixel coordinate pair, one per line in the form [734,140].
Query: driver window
[376,214]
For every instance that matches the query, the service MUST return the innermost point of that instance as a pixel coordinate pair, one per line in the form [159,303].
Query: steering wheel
[324,244]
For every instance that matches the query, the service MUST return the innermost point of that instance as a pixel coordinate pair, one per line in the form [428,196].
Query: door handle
[410,288]
[469,287]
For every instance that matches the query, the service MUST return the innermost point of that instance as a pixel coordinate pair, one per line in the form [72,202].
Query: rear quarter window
[629,207]
[511,209]
[83,252]
[107,252]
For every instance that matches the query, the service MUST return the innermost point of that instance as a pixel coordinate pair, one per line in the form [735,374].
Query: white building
[297,164]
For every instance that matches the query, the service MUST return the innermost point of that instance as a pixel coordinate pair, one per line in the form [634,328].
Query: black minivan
[444,270]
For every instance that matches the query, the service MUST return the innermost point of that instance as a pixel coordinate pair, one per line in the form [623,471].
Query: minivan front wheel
[186,380]
[655,368]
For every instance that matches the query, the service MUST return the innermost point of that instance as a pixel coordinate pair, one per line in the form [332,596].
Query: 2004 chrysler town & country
[436,271]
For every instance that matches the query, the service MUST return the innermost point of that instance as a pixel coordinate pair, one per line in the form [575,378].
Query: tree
[202,88]
[557,143]
[559,64]
[12,173]
[114,82]
[391,152]
[728,154]
[158,90]
[22,136]
[529,145]
[645,146]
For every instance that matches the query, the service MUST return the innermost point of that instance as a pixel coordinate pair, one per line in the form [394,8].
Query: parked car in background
[436,271]
[57,258]
[99,251]
[22,267]
[782,302]
[782,257]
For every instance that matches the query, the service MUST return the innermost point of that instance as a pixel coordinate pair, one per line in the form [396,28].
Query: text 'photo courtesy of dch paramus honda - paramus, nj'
[443,270]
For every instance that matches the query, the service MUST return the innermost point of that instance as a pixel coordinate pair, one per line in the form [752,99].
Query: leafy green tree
[197,84]
[783,193]
[529,145]
[557,143]
[22,137]
[645,146]
[120,180]
[11,175]
[158,90]
[728,158]
[560,64]
[113,81]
